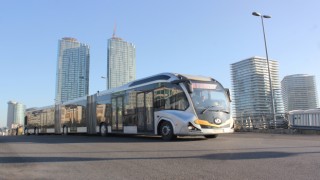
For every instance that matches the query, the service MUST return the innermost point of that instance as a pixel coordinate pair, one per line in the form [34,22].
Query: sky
[200,37]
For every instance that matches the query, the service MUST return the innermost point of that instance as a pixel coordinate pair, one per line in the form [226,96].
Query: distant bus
[166,104]
[304,119]
[40,120]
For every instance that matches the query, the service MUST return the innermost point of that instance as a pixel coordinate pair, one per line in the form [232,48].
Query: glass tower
[72,70]
[299,92]
[121,62]
[251,88]
[15,114]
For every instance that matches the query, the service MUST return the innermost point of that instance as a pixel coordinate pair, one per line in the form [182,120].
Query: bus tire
[26,131]
[103,129]
[211,136]
[36,131]
[65,130]
[166,131]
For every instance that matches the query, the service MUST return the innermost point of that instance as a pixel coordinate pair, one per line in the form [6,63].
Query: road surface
[231,156]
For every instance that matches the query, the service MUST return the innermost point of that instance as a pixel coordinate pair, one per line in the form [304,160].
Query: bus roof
[162,77]
[39,108]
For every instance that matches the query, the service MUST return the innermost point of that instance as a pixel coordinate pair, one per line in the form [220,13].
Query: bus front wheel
[166,131]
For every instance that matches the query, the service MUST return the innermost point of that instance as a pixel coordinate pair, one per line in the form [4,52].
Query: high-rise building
[15,114]
[299,92]
[10,114]
[121,62]
[251,88]
[72,70]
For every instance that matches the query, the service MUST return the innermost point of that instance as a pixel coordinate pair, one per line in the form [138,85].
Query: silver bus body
[165,104]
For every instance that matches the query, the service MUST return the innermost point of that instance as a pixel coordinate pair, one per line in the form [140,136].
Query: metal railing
[260,121]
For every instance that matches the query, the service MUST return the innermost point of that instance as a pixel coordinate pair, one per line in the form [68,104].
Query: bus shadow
[216,156]
[112,138]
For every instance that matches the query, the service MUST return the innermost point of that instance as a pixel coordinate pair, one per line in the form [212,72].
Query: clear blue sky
[201,37]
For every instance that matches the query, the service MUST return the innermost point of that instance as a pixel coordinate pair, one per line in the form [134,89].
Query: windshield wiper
[214,110]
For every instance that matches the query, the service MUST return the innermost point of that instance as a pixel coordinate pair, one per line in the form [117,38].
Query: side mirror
[228,93]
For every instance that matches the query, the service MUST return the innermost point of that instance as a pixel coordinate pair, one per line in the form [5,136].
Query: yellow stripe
[206,123]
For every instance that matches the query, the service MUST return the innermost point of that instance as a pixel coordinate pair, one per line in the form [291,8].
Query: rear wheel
[26,131]
[211,136]
[103,130]
[166,131]
[65,130]
[36,131]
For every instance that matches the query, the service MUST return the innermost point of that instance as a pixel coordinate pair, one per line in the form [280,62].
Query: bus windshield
[207,96]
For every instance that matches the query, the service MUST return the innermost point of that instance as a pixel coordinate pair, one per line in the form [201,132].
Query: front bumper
[203,127]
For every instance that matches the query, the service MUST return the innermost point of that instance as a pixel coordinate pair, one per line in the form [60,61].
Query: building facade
[121,62]
[15,116]
[251,87]
[72,78]
[299,92]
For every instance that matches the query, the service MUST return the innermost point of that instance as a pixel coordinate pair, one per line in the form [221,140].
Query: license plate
[219,130]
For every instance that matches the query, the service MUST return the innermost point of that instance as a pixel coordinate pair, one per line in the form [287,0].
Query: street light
[270,82]
[104,77]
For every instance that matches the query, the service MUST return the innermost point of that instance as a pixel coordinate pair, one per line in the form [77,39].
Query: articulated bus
[166,104]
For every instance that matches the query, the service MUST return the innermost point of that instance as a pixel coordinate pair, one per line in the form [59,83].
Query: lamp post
[266,49]
[104,77]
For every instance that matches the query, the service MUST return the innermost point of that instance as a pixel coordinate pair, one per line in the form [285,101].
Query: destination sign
[203,86]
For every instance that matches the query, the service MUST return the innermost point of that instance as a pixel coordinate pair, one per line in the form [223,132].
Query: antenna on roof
[114,30]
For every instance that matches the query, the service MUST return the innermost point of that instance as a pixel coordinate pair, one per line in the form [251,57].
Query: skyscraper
[121,62]
[15,114]
[299,92]
[251,89]
[72,70]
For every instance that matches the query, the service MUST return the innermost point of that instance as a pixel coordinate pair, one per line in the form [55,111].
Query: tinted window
[170,96]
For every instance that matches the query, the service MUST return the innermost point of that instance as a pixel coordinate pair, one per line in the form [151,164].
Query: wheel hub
[103,129]
[166,130]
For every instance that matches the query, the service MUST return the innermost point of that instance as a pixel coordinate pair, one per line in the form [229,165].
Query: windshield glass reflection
[211,99]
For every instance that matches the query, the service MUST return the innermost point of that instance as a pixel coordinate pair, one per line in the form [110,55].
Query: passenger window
[170,97]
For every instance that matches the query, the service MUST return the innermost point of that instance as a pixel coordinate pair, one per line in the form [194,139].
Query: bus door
[117,122]
[145,111]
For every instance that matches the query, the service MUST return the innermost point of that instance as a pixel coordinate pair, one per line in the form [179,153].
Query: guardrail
[297,122]
[249,122]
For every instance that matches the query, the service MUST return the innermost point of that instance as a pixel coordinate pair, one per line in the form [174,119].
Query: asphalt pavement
[230,156]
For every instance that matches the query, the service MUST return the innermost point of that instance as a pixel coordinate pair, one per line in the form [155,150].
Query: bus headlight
[192,127]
